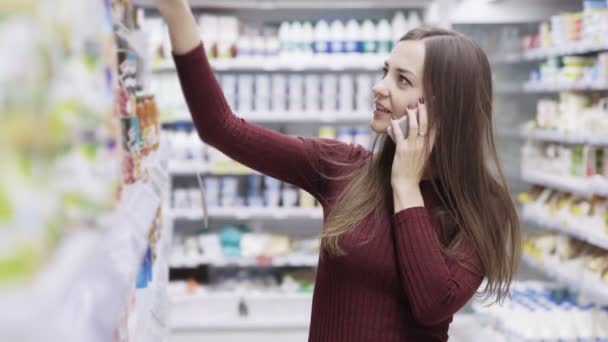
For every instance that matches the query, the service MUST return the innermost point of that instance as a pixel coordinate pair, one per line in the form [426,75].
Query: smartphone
[404,125]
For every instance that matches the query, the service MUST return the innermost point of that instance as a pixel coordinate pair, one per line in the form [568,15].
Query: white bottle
[262,93]
[244,46]
[209,27]
[272,45]
[346,94]
[245,94]
[298,39]
[313,93]
[285,39]
[228,82]
[329,89]
[385,37]
[337,35]
[368,34]
[414,20]
[363,93]
[322,37]
[296,93]
[352,37]
[308,38]
[258,46]
[345,135]
[399,26]
[279,93]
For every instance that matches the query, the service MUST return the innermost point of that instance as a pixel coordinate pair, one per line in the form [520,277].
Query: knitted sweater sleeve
[289,159]
[435,285]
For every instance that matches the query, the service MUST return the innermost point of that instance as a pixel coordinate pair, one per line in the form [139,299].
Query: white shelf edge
[296,117]
[576,185]
[280,261]
[239,324]
[549,87]
[334,63]
[245,213]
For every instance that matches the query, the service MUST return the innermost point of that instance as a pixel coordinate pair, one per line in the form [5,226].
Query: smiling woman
[411,230]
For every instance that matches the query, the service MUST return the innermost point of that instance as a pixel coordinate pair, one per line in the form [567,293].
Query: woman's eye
[384,72]
[404,81]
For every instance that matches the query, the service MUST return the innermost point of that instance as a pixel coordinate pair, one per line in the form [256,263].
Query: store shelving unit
[571,275]
[295,260]
[561,137]
[587,186]
[543,87]
[250,213]
[281,64]
[581,230]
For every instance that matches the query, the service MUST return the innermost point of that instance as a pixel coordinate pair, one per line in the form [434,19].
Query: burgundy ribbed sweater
[397,286]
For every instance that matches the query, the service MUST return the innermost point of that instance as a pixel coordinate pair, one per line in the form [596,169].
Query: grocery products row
[537,311]
[282,95]
[570,70]
[583,218]
[240,246]
[253,191]
[580,265]
[565,33]
[227,37]
[572,117]
[191,155]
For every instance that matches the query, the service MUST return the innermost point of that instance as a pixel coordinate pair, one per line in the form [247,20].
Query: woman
[411,230]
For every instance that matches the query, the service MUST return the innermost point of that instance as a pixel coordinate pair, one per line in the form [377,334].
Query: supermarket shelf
[189,168]
[266,5]
[508,58]
[247,213]
[561,137]
[570,49]
[585,233]
[507,87]
[282,64]
[218,310]
[295,260]
[545,87]
[590,285]
[240,324]
[287,117]
[576,185]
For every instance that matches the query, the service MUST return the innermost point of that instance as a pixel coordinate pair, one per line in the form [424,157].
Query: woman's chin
[379,126]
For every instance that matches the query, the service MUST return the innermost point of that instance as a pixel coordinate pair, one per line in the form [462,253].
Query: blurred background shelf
[250,213]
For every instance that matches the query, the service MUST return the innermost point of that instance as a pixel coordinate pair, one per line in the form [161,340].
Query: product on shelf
[572,115]
[537,311]
[585,218]
[237,246]
[577,263]
[288,40]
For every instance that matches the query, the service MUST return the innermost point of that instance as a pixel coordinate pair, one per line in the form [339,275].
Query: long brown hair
[464,163]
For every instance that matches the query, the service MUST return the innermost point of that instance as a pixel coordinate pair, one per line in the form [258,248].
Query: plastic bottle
[399,26]
[285,39]
[329,89]
[313,93]
[352,38]
[414,20]
[337,35]
[262,93]
[322,37]
[308,38]
[299,48]
[279,93]
[272,45]
[296,93]
[345,135]
[385,37]
[368,34]
[346,94]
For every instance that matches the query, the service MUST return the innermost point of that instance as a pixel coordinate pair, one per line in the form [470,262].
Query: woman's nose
[379,90]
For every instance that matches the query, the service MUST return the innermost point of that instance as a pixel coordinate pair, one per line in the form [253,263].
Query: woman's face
[401,85]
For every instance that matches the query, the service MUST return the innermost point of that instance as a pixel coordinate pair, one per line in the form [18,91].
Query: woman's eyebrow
[400,70]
